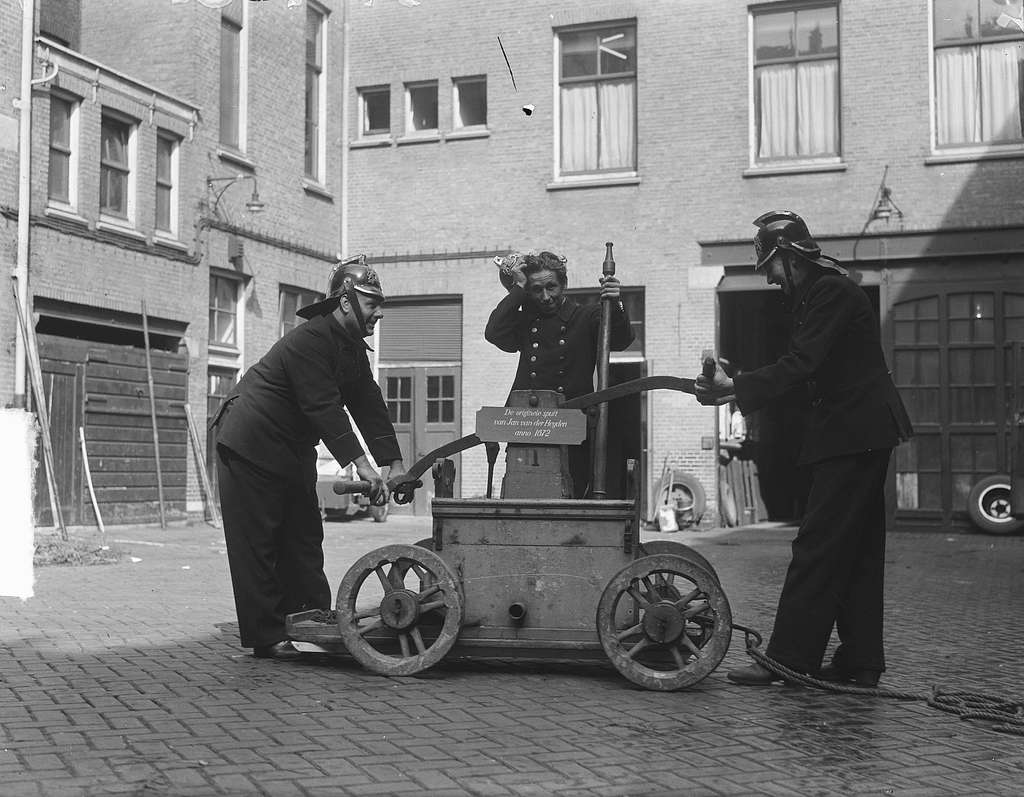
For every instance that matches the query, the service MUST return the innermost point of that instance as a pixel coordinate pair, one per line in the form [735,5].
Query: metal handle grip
[709,364]
[349,487]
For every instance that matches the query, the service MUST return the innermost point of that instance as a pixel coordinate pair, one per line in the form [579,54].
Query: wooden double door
[426,408]
[103,388]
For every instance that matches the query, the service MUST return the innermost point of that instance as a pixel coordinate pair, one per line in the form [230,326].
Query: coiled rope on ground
[967,705]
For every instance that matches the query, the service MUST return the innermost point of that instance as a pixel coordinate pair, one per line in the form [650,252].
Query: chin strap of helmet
[787,267]
[357,311]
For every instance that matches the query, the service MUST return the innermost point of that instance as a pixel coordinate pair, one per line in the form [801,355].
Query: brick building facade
[887,93]
[141,190]
[894,129]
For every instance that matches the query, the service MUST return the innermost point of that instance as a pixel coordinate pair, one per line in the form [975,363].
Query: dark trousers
[274,538]
[836,575]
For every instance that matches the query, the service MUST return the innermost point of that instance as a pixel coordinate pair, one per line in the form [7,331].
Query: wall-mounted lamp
[884,206]
[254,204]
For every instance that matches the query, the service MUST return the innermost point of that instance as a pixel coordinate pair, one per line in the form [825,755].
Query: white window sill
[221,357]
[973,155]
[316,189]
[236,157]
[775,170]
[467,132]
[223,349]
[65,212]
[594,181]
[119,226]
[370,142]
[425,137]
[166,239]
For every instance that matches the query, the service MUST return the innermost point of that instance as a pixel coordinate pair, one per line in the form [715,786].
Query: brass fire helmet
[352,274]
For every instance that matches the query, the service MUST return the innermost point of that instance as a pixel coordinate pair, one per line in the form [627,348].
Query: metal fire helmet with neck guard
[348,277]
[785,230]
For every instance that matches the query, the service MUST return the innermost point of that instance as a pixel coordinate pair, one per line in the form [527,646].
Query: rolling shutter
[414,331]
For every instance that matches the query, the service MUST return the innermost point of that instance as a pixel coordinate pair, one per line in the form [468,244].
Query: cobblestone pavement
[128,679]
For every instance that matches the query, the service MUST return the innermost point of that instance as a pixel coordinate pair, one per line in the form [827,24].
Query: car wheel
[988,506]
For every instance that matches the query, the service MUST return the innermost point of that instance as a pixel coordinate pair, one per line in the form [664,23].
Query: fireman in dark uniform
[557,339]
[835,576]
[267,432]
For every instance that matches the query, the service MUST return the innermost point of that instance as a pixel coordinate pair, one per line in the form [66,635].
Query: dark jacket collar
[338,330]
[801,291]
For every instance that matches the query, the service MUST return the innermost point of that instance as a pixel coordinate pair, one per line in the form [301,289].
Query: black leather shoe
[283,650]
[855,676]
[753,675]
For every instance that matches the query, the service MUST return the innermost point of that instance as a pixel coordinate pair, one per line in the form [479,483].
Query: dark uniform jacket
[296,395]
[835,349]
[557,352]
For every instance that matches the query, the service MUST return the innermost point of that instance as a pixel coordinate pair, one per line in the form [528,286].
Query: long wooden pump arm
[621,390]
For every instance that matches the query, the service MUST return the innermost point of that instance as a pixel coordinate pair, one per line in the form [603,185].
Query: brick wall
[694,143]
[176,48]
[473,194]
[10,79]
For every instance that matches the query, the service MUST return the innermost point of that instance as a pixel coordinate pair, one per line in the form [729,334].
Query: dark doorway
[626,433]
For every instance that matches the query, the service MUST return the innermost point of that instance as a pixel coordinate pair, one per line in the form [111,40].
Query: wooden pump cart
[533,574]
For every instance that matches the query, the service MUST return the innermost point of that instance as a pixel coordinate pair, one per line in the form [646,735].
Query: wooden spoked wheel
[399,609]
[664,622]
[680,549]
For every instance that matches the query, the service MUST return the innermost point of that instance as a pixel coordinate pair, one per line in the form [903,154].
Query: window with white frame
[62,175]
[233,80]
[421,107]
[375,111]
[979,59]
[166,220]
[225,295]
[290,301]
[796,83]
[597,99]
[315,93]
[117,156]
[469,102]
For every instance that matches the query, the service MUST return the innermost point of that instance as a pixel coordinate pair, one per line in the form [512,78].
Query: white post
[345,122]
[24,193]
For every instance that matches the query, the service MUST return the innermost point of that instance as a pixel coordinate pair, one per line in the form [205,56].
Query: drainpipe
[345,110]
[28,19]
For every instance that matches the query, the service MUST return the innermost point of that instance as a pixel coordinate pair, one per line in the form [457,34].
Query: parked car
[341,507]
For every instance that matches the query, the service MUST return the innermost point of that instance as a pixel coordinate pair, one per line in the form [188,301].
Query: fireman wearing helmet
[835,577]
[267,432]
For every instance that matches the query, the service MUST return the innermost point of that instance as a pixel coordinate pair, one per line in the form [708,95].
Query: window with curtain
[597,99]
[115,166]
[291,300]
[223,311]
[231,64]
[796,83]
[375,111]
[61,172]
[421,107]
[166,182]
[469,102]
[979,57]
[314,90]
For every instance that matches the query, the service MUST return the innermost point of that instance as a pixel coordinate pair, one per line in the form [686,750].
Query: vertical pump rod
[599,447]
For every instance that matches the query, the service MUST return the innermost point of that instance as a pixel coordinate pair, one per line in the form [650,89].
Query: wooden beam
[152,412]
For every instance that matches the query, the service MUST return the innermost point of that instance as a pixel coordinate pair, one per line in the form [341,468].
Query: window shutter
[415,331]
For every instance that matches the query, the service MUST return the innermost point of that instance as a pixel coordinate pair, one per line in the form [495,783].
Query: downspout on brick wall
[345,110]
[20,275]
